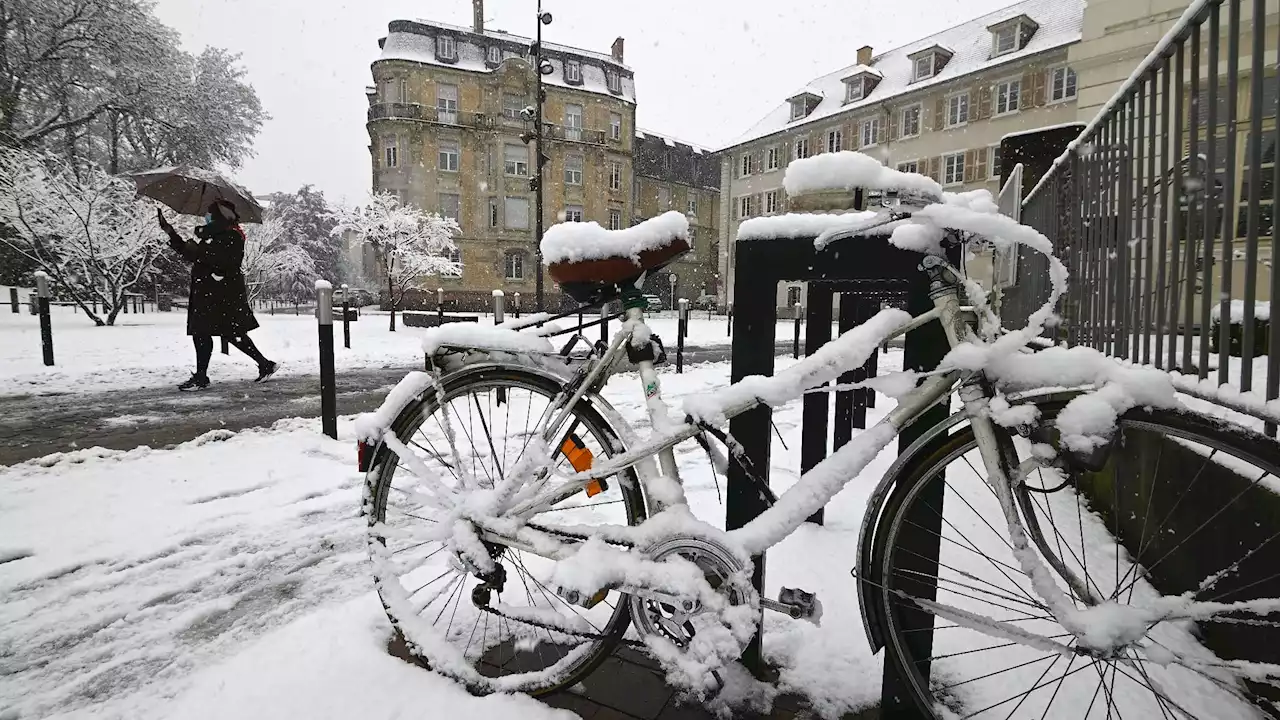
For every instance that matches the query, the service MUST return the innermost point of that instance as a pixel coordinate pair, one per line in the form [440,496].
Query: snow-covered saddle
[591,263]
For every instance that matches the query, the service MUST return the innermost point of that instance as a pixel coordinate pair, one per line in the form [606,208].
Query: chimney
[864,53]
[477,16]
[616,51]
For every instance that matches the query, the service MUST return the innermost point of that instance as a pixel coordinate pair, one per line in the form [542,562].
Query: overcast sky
[705,69]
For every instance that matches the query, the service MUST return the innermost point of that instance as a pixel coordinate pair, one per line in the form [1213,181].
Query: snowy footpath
[226,578]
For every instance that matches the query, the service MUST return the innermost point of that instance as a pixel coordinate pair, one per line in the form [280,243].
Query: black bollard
[346,319]
[604,323]
[328,390]
[682,329]
[46,325]
[13,301]
[439,306]
[124,305]
[499,304]
[517,308]
[728,330]
[795,344]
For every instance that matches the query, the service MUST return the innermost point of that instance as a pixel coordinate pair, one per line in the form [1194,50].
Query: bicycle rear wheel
[519,636]
[1183,504]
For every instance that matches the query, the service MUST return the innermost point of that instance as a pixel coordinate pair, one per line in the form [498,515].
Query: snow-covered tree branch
[410,244]
[88,232]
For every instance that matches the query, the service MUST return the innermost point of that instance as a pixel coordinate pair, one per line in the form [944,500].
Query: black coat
[219,303]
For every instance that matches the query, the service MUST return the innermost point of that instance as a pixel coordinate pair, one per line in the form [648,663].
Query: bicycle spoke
[1070,661]
[975,547]
[1058,680]
[488,436]
[964,547]
[1009,598]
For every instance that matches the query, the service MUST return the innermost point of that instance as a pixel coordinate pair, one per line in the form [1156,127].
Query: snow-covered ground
[152,349]
[227,578]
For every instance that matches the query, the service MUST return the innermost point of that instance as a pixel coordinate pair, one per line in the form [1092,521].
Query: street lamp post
[671,278]
[541,67]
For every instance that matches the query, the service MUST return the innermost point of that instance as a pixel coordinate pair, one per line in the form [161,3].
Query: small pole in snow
[795,344]
[13,301]
[346,316]
[517,306]
[604,323]
[328,390]
[439,306]
[226,346]
[728,329]
[682,329]
[46,325]
[499,300]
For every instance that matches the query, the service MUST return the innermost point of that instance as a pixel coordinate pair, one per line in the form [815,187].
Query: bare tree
[410,244]
[88,232]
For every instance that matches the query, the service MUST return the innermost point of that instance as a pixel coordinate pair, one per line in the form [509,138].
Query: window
[451,205]
[515,159]
[870,131]
[909,166]
[446,49]
[835,139]
[615,176]
[516,213]
[448,156]
[493,212]
[615,126]
[745,165]
[573,170]
[793,296]
[573,122]
[771,159]
[993,167]
[514,265]
[1005,40]
[664,198]
[615,219]
[693,207]
[573,213]
[573,71]
[923,67]
[744,206]
[1064,84]
[494,55]
[802,148]
[390,151]
[511,106]
[854,89]
[797,109]
[447,104]
[957,110]
[953,169]
[613,80]
[910,121]
[1007,96]
[455,256]
[771,202]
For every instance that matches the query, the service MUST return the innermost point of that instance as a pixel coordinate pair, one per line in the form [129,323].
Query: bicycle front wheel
[1184,505]
[510,631]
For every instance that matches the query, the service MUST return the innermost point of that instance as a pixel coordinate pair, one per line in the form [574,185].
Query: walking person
[219,304]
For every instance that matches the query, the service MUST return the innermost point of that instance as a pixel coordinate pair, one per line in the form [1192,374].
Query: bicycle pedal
[573,597]
[803,605]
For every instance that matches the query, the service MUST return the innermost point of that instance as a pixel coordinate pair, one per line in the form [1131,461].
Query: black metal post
[499,301]
[539,99]
[439,306]
[604,323]
[13,300]
[328,389]
[46,324]
[346,317]
[226,346]
[682,327]
[728,329]
[813,423]
[795,341]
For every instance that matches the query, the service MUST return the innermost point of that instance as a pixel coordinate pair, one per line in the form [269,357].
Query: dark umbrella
[190,190]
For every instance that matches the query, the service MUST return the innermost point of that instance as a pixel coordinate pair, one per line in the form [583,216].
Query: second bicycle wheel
[520,636]
[1184,504]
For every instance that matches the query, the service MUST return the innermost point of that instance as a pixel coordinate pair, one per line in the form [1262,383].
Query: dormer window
[803,103]
[613,80]
[494,55]
[1011,35]
[446,48]
[928,62]
[860,84]
[854,90]
[572,71]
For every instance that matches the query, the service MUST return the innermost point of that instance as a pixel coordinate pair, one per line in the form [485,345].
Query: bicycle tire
[378,489]
[901,620]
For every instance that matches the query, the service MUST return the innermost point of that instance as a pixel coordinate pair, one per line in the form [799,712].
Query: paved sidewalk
[32,426]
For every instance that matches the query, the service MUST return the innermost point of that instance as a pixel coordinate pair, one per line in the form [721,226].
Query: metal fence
[1162,209]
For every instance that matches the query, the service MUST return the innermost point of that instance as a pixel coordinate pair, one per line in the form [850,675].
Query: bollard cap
[498,293]
[345,286]
[40,274]
[323,285]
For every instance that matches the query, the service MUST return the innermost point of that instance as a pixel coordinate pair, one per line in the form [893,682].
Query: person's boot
[195,382]
[266,370]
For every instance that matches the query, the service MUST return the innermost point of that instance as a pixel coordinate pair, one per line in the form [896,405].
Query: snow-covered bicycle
[518,527]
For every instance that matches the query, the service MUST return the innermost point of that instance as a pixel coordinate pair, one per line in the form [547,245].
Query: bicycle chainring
[722,570]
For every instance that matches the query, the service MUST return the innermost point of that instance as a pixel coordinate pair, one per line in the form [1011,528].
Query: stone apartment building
[938,106]
[446,134]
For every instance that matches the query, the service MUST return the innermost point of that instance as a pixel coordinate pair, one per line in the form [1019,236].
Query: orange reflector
[581,458]
[595,487]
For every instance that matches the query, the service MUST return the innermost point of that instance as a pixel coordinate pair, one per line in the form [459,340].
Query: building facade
[938,106]
[670,175]
[446,133]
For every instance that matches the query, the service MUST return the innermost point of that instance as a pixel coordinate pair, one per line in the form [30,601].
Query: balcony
[427,113]
[573,134]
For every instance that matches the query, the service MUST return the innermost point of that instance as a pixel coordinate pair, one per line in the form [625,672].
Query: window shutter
[1039,92]
[935,168]
[940,113]
[981,164]
[882,130]
[982,111]
[970,165]
[757,204]
[854,129]
[782,200]
[734,202]
[895,117]
[757,161]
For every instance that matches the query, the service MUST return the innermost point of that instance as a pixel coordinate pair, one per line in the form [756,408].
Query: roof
[414,41]
[671,160]
[1060,24]
[641,133]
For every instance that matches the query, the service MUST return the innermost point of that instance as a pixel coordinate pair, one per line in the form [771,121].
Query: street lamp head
[546,68]
[545,18]
[528,113]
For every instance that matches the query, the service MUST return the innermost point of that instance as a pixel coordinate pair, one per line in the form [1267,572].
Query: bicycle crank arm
[795,604]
